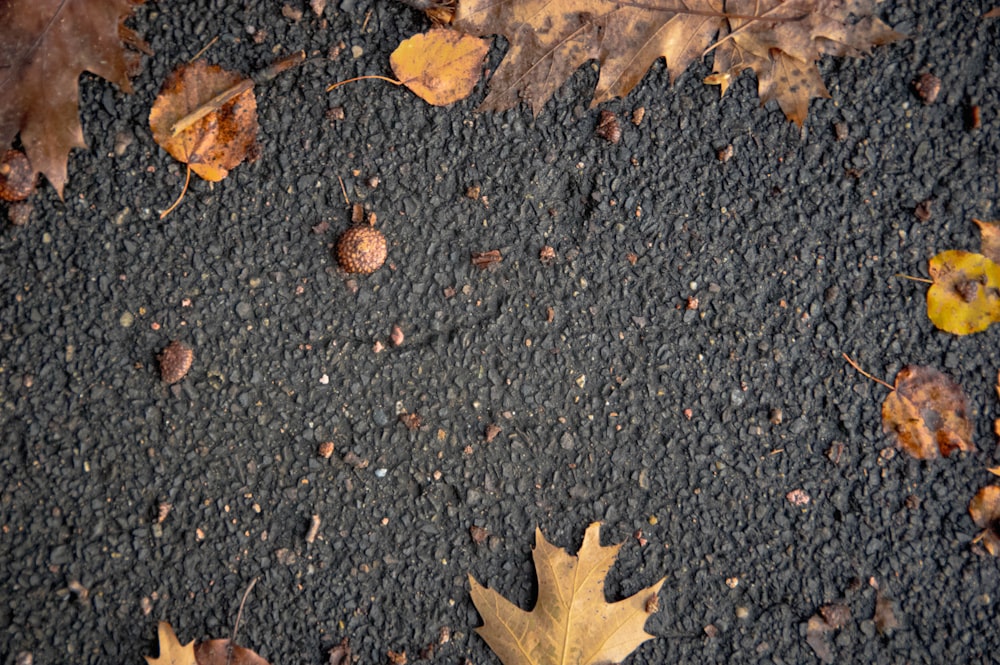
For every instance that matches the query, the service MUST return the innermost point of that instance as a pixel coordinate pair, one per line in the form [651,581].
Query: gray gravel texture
[791,249]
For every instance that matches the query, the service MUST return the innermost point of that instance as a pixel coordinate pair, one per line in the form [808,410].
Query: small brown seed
[923,210]
[608,127]
[484,260]
[175,361]
[927,87]
[325,449]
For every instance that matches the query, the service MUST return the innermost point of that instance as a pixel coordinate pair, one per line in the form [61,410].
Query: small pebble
[380,473]
[126,320]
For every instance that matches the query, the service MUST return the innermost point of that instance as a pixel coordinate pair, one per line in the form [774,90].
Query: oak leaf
[44,47]
[965,295]
[222,138]
[780,40]
[927,413]
[571,623]
[440,66]
[212,652]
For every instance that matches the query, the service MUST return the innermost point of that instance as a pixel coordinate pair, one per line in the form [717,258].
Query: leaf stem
[187,179]
[236,627]
[362,78]
[855,365]
[915,279]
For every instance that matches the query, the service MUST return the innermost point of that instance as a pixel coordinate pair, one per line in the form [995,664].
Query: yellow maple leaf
[172,652]
[571,623]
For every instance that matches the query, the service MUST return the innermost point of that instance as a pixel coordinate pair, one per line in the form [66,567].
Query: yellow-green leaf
[965,296]
[572,623]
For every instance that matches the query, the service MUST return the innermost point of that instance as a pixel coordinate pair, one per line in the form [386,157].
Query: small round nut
[175,361]
[17,179]
[361,249]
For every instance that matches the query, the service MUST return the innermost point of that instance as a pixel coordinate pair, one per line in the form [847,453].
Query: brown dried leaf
[885,614]
[781,40]
[44,47]
[990,244]
[927,413]
[985,512]
[571,621]
[221,139]
[216,652]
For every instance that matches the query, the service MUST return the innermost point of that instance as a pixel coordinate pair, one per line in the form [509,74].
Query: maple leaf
[44,47]
[780,40]
[571,622]
[927,412]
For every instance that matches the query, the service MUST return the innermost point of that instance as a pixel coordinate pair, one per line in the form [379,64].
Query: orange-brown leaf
[781,40]
[985,512]
[440,66]
[44,47]
[572,622]
[216,652]
[219,141]
[927,413]
[990,244]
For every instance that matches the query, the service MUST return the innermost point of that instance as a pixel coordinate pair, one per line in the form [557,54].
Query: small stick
[855,365]
[235,90]
[187,180]
[362,78]
[368,17]
[202,51]
[313,529]
[915,279]
[239,615]
[344,190]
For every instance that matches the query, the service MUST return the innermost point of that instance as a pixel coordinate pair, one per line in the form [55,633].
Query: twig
[205,48]
[855,365]
[344,190]
[235,90]
[239,615]
[313,529]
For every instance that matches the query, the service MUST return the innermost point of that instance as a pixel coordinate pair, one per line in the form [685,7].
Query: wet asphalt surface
[616,398]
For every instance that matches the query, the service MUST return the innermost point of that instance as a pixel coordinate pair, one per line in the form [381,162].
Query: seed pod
[175,361]
[17,180]
[361,249]
[608,128]
[927,87]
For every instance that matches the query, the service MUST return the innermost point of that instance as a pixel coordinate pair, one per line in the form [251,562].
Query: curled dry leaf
[927,413]
[965,296]
[990,243]
[216,652]
[985,512]
[571,621]
[440,66]
[222,138]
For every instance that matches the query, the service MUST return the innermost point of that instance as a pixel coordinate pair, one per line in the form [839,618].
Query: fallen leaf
[440,66]
[927,414]
[780,41]
[965,296]
[985,512]
[216,652]
[571,621]
[829,618]
[221,139]
[990,243]
[340,654]
[172,652]
[44,47]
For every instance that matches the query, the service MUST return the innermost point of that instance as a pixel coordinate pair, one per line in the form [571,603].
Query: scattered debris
[314,523]
[725,154]
[547,255]
[478,534]
[638,115]
[885,614]
[492,430]
[484,260]
[829,618]
[985,512]
[412,421]
[923,210]
[608,127]
[341,654]
[17,178]
[325,449]
[396,336]
[927,86]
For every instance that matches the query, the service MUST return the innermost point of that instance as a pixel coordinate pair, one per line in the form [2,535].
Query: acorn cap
[361,249]
[17,179]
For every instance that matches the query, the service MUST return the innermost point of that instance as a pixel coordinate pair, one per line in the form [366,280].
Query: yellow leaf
[571,623]
[171,650]
[965,296]
[440,66]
